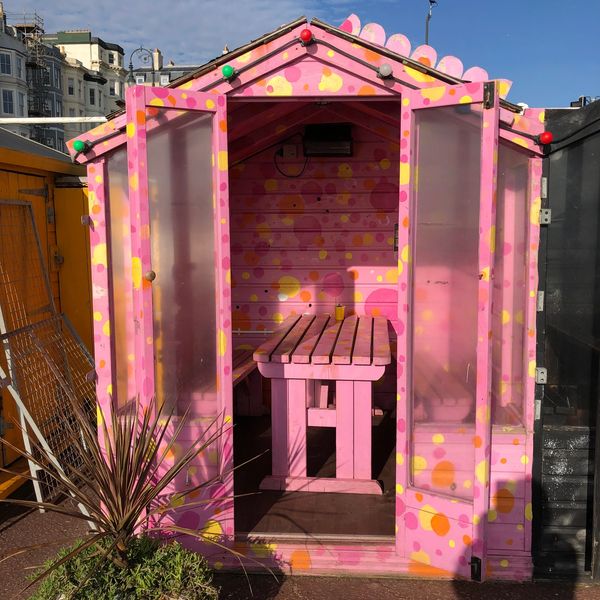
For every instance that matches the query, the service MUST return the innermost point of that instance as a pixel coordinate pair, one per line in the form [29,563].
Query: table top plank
[264,351]
[324,349]
[342,355]
[284,350]
[363,346]
[307,346]
[382,354]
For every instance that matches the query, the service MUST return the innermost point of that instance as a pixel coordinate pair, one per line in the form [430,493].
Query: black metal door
[566,474]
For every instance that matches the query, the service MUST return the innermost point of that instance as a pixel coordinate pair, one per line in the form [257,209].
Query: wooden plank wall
[306,243]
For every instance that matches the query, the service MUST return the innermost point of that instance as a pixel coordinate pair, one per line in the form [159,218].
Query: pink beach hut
[330,241]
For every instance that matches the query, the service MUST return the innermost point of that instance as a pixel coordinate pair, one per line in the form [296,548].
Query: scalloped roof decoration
[400,44]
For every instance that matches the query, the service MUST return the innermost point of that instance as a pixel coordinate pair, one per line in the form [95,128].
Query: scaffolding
[31,28]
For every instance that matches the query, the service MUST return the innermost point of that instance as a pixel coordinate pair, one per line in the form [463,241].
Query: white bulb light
[385,71]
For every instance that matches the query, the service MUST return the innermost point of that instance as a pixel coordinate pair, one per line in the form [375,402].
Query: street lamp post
[432,3]
[145,57]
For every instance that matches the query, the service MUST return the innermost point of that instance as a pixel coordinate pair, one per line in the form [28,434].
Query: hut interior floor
[309,514]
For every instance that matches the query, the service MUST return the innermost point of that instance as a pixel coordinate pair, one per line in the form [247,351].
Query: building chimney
[157,59]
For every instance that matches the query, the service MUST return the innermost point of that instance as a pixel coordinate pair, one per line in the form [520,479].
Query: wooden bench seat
[440,396]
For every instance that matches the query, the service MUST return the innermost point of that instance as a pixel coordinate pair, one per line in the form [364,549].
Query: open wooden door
[448,172]
[177,154]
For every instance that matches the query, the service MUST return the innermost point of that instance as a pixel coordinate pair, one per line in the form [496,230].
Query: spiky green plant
[119,485]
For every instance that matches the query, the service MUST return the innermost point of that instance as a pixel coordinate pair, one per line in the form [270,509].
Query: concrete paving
[19,527]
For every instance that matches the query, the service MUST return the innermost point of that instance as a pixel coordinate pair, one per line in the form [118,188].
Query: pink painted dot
[438,552]
[292,74]
[400,507]
[439,453]
[403,196]
[223,186]
[221,101]
[190,102]
[227,370]
[226,263]
[416,546]
[225,238]
[426,101]
[404,158]
[463,521]
[401,425]
[410,520]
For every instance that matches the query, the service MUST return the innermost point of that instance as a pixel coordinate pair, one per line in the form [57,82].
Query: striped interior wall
[305,240]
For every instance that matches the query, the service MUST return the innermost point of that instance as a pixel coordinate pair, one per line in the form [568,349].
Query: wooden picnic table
[303,354]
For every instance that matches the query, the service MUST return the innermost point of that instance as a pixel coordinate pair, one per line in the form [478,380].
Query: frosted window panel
[183,257]
[445,297]
[119,236]
[509,298]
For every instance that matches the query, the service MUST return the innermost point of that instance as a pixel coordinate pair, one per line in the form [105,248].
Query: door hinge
[545,216]
[475,568]
[541,375]
[544,190]
[489,94]
[396,238]
[43,192]
[4,426]
[538,409]
[540,301]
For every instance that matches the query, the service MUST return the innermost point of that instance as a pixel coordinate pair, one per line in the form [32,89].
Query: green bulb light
[228,71]
[79,146]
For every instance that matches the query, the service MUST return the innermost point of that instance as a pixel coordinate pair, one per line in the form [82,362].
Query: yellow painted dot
[481,471]
[97,316]
[358,297]
[385,164]
[504,563]
[419,464]
[218,565]
[344,218]
[253,298]
[348,255]
[245,275]
[322,254]
[405,101]
[451,543]
[528,511]
[520,527]
[222,343]
[492,515]
[278,318]
[531,368]
[505,317]
[437,438]
[330,53]
[405,254]
[465,100]
[223,160]
[279,86]
[467,484]
[130,129]
[106,328]
[524,459]
[156,102]
[379,278]
[399,458]
[399,489]
[476,519]
[210,104]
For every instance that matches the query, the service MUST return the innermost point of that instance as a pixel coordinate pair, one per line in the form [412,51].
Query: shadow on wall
[505,532]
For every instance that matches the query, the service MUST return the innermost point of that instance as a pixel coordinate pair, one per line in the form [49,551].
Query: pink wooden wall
[288,252]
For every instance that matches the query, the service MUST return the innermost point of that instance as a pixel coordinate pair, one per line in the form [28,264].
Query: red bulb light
[306,36]
[546,137]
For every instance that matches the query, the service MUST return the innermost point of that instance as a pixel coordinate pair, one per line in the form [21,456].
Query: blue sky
[548,48]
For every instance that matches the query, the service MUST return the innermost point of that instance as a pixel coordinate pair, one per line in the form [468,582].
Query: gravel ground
[19,527]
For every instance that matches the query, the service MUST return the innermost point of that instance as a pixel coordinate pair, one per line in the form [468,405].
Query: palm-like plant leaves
[119,483]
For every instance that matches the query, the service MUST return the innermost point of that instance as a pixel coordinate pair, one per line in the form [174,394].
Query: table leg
[362,429]
[344,431]
[279,427]
[296,427]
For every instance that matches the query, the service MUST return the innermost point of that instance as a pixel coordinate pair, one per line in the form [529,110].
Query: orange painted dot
[300,560]
[509,542]
[477,441]
[406,133]
[357,240]
[419,497]
[443,474]
[405,222]
[467,540]
[451,92]
[102,364]
[503,500]
[503,461]
[223,125]
[305,296]
[516,441]
[313,275]
[353,274]
[440,524]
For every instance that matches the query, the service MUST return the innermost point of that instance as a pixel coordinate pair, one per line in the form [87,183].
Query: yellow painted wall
[57,215]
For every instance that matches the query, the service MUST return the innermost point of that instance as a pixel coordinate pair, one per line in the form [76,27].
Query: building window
[21,106]
[20,67]
[79,86]
[92,96]
[99,98]
[57,78]
[5,66]
[140,79]
[164,79]
[71,86]
[111,88]
[71,112]
[59,108]
[8,103]
[117,88]
[111,58]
